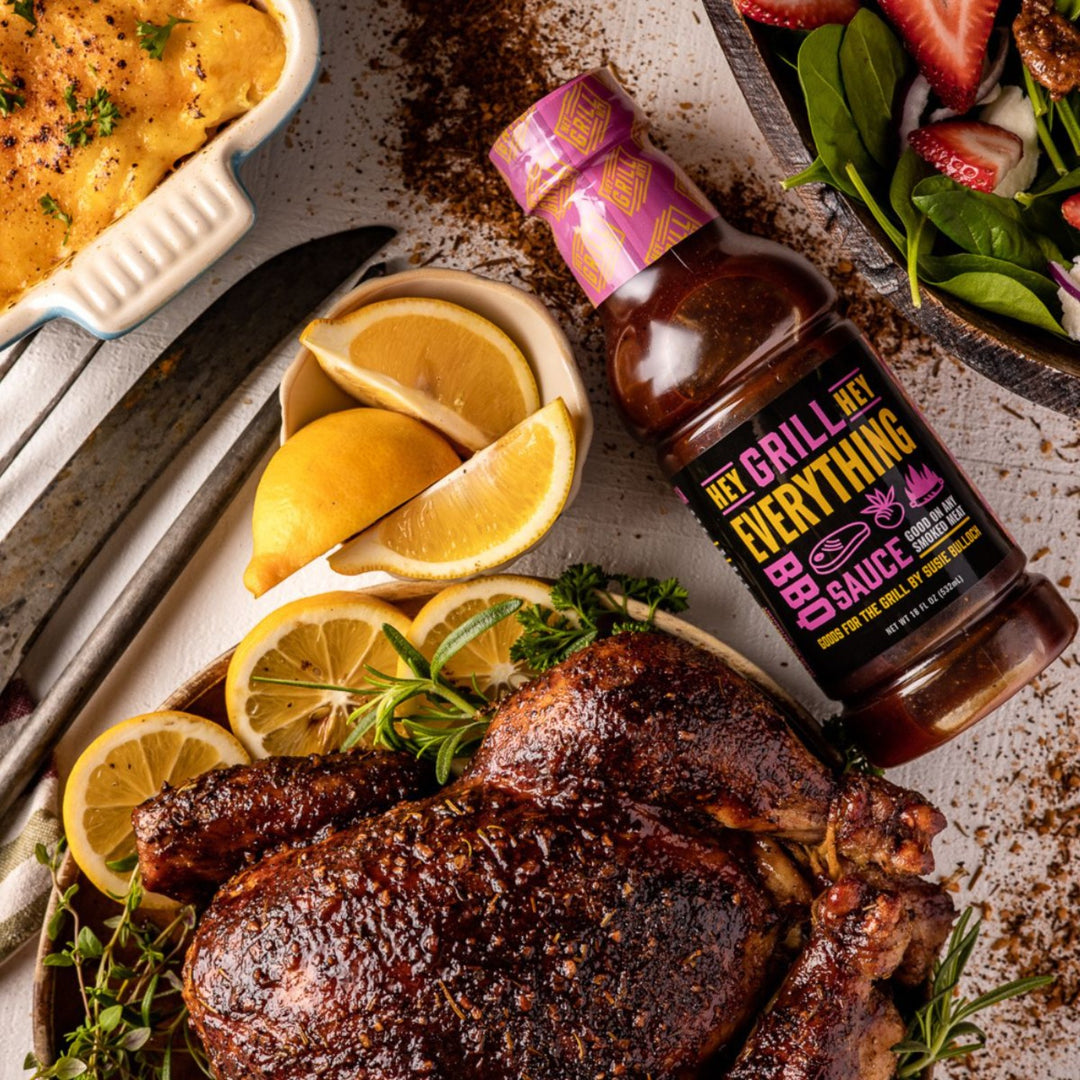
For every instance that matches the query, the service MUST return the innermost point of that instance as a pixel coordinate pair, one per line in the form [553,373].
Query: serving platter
[56,1001]
[1033,364]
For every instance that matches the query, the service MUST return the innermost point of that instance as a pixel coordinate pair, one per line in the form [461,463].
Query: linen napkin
[24,883]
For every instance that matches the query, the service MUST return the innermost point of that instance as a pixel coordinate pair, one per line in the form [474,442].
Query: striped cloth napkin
[24,883]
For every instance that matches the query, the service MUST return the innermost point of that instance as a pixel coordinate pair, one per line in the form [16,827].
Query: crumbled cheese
[1012,111]
[1070,306]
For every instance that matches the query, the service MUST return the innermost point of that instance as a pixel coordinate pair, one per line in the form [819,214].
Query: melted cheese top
[213,69]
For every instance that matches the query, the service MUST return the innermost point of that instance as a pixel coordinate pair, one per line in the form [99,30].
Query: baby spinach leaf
[981,223]
[1002,295]
[1069,8]
[938,268]
[920,233]
[910,170]
[836,135]
[883,219]
[1058,186]
[1056,237]
[814,173]
[872,63]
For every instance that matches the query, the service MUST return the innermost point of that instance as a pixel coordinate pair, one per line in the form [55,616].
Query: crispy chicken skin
[830,1020]
[611,890]
[192,838]
[480,936]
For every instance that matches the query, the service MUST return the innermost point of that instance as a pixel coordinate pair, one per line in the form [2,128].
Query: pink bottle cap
[581,159]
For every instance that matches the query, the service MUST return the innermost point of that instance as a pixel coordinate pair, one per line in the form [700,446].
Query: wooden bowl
[56,1004]
[1027,361]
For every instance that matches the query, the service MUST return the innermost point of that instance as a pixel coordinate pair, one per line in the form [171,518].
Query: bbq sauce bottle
[786,435]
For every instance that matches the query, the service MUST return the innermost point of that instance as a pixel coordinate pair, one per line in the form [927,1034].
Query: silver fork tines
[43,414]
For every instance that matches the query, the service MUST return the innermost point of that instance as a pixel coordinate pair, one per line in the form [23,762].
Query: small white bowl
[308,393]
[142,260]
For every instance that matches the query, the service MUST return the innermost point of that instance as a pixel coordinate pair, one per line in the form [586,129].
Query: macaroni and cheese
[99,99]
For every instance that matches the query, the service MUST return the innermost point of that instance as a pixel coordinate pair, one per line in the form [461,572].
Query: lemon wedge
[332,479]
[491,508]
[433,360]
[125,766]
[328,639]
[486,658]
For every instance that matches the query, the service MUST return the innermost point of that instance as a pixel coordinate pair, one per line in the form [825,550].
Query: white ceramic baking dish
[184,225]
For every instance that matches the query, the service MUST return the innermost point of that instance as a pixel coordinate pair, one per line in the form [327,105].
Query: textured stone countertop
[1011,787]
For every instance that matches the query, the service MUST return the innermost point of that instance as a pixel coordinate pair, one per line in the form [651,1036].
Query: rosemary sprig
[942,1028]
[449,722]
[134,1020]
[584,608]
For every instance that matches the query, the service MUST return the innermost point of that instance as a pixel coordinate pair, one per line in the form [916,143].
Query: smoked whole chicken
[644,873]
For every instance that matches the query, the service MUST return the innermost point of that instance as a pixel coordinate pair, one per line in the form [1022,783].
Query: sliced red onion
[913,106]
[1065,280]
[994,71]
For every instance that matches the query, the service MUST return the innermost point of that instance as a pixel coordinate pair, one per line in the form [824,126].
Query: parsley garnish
[134,1022]
[154,38]
[101,113]
[10,100]
[25,10]
[52,209]
[583,609]
[70,98]
[941,1029]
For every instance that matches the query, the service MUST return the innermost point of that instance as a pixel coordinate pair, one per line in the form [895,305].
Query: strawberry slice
[948,40]
[799,14]
[1070,210]
[972,153]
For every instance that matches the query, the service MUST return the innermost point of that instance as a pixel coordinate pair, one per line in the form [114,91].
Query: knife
[55,540]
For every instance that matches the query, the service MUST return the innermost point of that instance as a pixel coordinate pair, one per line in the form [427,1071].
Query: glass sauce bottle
[787,436]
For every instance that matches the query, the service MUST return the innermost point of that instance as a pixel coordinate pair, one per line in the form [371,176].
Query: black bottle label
[844,513]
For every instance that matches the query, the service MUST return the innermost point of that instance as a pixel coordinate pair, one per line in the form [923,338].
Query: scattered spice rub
[99,99]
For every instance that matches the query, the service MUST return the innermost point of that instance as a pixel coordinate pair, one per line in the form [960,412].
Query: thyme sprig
[584,607]
[134,1020]
[942,1028]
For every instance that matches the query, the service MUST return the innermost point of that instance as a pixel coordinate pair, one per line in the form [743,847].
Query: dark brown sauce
[706,337]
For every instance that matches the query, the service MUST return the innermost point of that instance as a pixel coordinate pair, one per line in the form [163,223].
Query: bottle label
[844,513]
[581,159]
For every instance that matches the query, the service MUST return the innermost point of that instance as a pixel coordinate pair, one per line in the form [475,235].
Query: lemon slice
[333,478]
[433,360]
[493,507]
[122,768]
[326,639]
[487,657]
